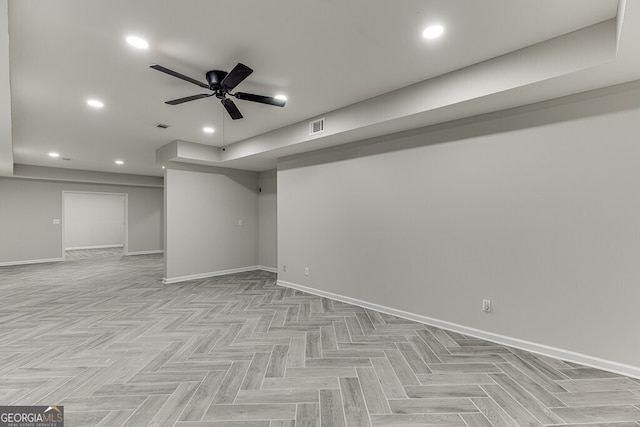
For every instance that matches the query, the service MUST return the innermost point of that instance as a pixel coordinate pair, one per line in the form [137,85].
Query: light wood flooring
[107,340]
[73,254]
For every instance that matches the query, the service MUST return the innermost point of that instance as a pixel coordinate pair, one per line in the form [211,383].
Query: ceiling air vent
[316,126]
[162,126]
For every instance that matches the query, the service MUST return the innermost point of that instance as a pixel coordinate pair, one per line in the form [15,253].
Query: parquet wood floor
[106,339]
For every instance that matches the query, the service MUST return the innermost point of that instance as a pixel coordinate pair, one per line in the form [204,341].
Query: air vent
[162,126]
[316,126]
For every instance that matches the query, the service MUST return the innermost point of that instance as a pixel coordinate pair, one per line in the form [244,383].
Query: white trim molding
[156,251]
[30,261]
[269,269]
[94,247]
[170,280]
[544,350]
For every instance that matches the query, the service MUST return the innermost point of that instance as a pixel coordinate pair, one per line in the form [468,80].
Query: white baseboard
[158,251]
[169,280]
[270,269]
[76,248]
[545,350]
[30,261]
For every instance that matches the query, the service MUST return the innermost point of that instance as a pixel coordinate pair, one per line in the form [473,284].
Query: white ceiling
[323,54]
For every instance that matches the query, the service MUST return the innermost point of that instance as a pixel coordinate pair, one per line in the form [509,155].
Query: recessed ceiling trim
[580,50]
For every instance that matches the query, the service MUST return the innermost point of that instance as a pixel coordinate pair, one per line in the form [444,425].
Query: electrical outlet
[486,305]
[284,267]
[306,271]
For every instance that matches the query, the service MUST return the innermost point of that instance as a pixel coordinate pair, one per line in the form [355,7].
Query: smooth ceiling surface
[323,54]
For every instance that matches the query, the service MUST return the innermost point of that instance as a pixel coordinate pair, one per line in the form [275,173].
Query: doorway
[94,224]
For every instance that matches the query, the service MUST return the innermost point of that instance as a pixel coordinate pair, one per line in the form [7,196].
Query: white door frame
[126,216]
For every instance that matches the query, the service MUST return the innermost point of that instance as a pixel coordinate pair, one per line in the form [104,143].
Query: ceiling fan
[221,83]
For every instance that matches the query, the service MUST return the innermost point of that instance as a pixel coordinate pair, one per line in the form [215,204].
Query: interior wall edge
[30,261]
[211,169]
[541,349]
[539,216]
[627,96]
[53,174]
[171,280]
[212,221]
[93,247]
[159,251]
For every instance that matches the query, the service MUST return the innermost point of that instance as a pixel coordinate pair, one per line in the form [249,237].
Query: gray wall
[93,220]
[203,208]
[267,220]
[28,207]
[537,209]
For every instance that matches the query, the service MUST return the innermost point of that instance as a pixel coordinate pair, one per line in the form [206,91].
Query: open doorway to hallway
[94,225]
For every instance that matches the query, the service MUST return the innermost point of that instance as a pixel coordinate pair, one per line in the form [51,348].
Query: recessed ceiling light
[119,162]
[95,103]
[137,42]
[163,167]
[52,154]
[281,97]
[208,129]
[433,31]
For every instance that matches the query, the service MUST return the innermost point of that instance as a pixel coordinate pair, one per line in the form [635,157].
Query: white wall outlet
[306,271]
[284,267]
[56,222]
[486,305]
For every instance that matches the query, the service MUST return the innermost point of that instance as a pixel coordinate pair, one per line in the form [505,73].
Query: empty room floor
[113,345]
[73,254]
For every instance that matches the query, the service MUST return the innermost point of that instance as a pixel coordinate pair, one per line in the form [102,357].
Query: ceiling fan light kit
[221,83]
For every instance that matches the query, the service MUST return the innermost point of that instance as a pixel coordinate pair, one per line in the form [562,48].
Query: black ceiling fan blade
[188,98]
[260,98]
[231,109]
[236,76]
[178,75]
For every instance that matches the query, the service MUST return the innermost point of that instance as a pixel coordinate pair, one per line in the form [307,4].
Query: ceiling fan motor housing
[214,77]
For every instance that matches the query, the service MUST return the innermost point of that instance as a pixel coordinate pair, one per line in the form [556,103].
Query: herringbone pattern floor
[73,254]
[107,340]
